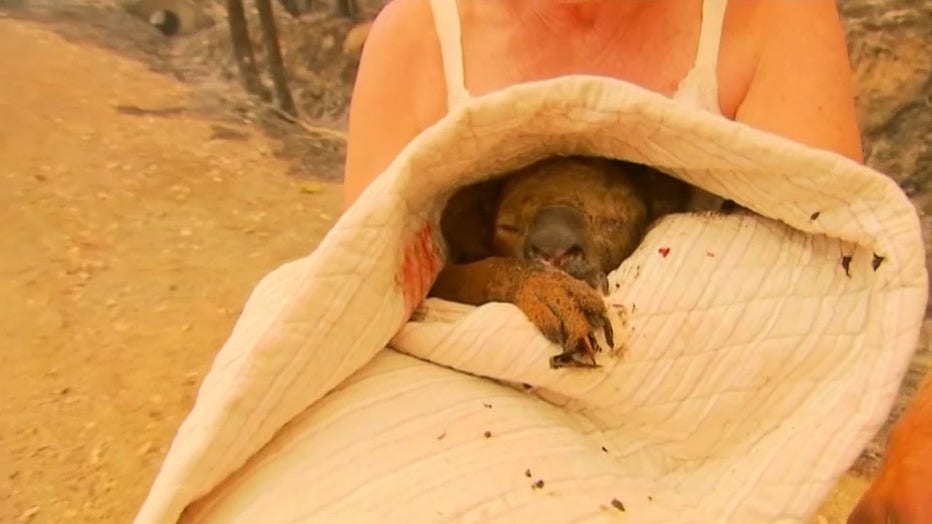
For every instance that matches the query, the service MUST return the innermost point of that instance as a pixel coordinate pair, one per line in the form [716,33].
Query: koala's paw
[567,311]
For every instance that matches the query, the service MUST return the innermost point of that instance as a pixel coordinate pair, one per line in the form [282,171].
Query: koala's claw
[607,330]
[588,273]
[571,359]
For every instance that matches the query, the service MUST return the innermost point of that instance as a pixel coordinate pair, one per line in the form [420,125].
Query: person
[902,490]
[777,65]
[781,66]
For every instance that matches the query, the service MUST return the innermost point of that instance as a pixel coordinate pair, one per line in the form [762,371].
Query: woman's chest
[654,50]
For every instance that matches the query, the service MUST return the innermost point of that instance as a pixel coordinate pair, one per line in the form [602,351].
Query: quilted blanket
[757,352]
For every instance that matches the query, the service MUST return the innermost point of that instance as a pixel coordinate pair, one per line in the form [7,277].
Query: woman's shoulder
[800,84]
[399,90]
[402,54]
[402,25]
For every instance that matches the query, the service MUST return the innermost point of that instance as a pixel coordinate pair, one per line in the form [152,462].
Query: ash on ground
[320,72]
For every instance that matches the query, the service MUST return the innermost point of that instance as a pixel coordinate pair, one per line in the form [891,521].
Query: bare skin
[783,66]
[902,491]
[545,237]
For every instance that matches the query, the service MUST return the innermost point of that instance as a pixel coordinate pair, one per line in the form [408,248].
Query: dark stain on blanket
[487,405]
[538,485]
[814,215]
[487,434]
[846,263]
[604,449]
[440,437]
[618,505]
[875,263]
[420,265]
[527,473]
[664,251]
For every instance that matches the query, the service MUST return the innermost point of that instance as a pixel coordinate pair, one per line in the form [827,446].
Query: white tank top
[698,88]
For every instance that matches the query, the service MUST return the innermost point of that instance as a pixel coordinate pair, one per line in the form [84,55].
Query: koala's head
[574,213]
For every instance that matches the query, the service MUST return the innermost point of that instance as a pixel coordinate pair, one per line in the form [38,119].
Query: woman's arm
[399,91]
[802,87]
[902,490]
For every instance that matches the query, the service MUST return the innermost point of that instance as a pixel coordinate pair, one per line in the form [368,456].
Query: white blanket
[758,354]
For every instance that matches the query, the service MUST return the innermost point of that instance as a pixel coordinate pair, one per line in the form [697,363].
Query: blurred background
[152,171]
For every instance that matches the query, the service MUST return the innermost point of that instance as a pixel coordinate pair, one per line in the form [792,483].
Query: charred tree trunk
[274,56]
[296,8]
[347,8]
[242,49]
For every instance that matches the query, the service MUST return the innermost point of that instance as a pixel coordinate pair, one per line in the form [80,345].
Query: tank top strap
[447,25]
[700,86]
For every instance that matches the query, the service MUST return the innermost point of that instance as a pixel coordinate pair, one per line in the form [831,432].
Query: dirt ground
[133,231]
[130,242]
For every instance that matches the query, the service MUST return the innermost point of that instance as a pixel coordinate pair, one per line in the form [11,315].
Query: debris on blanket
[618,505]
[664,251]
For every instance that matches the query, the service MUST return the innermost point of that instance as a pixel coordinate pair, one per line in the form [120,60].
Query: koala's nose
[555,233]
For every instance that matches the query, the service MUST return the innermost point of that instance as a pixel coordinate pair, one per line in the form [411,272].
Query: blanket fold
[759,352]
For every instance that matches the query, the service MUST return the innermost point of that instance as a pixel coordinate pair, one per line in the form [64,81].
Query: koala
[544,238]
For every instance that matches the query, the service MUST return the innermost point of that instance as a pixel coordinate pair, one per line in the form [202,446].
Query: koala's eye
[574,252]
[508,228]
